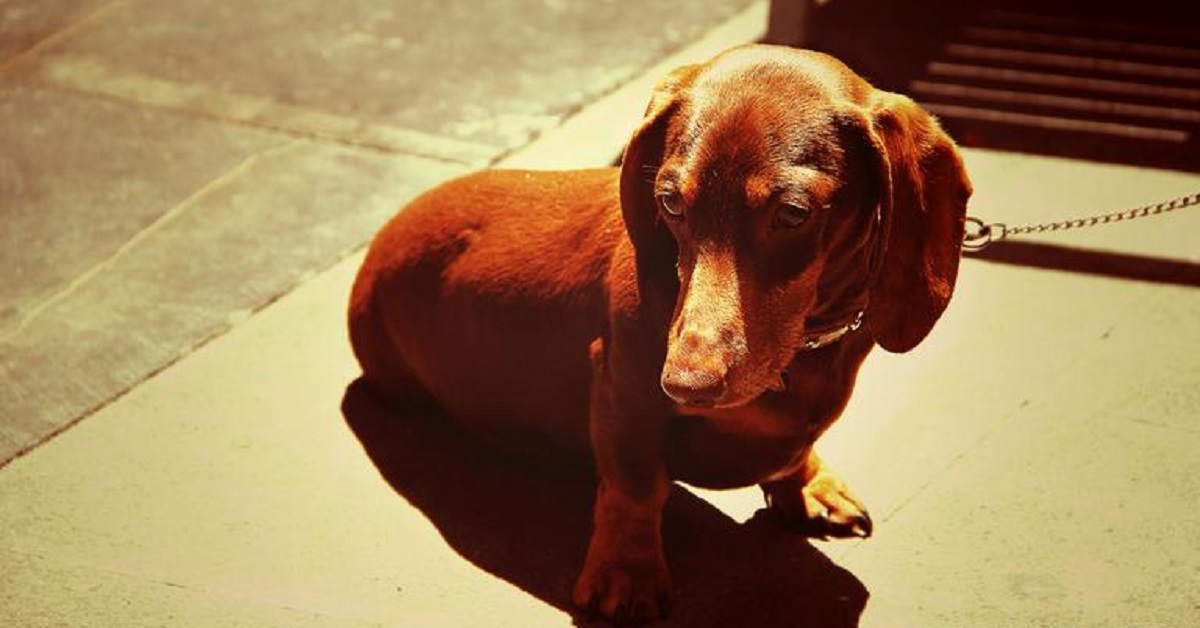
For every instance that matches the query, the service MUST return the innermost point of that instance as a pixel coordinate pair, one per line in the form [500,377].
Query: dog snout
[697,368]
[699,388]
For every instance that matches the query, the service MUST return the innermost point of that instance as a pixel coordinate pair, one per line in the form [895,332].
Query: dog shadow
[529,525]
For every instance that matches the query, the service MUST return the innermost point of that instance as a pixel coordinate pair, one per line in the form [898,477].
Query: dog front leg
[814,501]
[625,574]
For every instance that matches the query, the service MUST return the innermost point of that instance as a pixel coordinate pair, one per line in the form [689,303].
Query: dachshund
[697,314]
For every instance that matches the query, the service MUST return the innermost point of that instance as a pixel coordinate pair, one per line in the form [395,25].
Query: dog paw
[625,590]
[822,508]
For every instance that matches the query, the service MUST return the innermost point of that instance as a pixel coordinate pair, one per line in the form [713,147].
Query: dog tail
[384,370]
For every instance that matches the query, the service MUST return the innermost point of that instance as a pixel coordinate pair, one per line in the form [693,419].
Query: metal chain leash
[979,234]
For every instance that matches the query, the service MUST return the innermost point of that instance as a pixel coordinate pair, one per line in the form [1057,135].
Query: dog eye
[671,204]
[790,216]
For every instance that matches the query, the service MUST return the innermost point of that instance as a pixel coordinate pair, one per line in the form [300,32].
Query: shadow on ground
[1102,263]
[529,526]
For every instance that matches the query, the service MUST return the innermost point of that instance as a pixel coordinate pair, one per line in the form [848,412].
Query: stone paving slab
[492,75]
[80,177]
[151,233]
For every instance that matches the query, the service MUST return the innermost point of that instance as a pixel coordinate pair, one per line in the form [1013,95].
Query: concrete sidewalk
[1035,462]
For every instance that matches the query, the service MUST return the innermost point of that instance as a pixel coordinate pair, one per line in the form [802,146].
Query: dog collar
[824,340]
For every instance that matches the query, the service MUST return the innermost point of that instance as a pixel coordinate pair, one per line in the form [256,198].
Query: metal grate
[1080,87]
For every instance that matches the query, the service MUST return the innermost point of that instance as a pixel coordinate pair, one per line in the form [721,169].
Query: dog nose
[697,388]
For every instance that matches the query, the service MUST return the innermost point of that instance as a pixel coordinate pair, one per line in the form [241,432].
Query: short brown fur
[654,318]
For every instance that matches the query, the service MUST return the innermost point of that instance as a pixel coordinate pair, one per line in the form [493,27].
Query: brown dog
[694,315]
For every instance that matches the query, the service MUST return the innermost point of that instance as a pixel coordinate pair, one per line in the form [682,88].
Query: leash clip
[822,340]
[858,318]
[978,234]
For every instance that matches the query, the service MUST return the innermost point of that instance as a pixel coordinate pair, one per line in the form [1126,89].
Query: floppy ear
[642,159]
[924,197]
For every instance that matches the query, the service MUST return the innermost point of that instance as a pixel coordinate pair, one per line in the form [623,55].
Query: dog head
[791,196]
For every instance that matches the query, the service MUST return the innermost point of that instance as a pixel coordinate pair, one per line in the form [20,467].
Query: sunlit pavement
[1035,462]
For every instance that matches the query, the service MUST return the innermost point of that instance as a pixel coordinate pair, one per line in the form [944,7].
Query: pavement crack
[946,468]
[149,230]
[59,35]
[1165,426]
[93,76]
